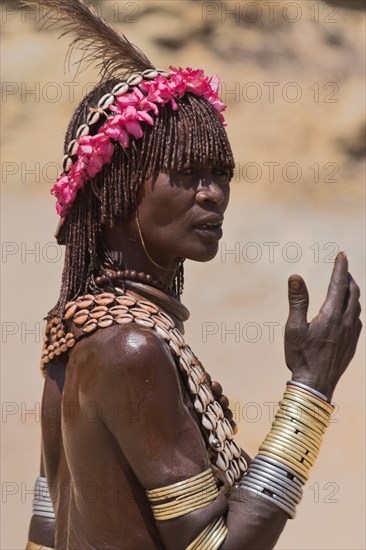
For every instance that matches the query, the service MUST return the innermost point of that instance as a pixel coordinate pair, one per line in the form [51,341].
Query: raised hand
[318,353]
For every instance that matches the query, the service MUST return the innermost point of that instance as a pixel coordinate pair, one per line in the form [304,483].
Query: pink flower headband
[88,154]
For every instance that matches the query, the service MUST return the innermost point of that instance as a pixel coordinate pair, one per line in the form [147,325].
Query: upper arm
[140,396]
[138,389]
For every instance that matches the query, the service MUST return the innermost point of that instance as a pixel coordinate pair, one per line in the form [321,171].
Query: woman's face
[181,213]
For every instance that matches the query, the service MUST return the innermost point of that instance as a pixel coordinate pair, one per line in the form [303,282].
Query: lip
[212,219]
[211,232]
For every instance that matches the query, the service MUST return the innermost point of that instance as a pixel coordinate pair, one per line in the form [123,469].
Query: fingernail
[295,284]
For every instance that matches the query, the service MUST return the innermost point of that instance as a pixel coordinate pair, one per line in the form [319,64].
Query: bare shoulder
[122,354]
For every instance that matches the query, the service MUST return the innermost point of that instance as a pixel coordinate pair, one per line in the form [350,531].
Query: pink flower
[130,110]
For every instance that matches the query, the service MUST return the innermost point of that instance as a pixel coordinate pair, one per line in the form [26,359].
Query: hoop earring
[144,247]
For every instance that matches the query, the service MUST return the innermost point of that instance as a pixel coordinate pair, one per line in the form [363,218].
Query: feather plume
[101,45]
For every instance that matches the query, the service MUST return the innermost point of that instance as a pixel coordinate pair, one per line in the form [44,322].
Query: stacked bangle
[42,504]
[307,388]
[285,457]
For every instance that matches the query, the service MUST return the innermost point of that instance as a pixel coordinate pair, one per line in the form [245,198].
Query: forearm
[42,531]
[42,524]
[252,522]
[268,493]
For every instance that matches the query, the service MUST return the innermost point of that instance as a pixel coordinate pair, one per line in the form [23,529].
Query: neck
[127,251]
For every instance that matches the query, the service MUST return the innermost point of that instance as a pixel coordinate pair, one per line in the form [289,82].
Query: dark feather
[99,42]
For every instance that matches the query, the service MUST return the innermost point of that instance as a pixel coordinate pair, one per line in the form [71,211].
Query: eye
[186,171]
[221,172]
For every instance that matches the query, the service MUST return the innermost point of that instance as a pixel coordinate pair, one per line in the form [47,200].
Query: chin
[204,253]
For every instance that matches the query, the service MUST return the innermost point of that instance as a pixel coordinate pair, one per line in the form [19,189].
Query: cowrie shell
[193,387]
[218,409]
[227,428]
[70,311]
[150,74]
[81,317]
[235,469]
[198,405]
[144,322]
[93,118]
[106,101]
[124,319]
[117,310]
[165,317]
[229,477]
[175,348]
[148,306]
[222,461]
[178,336]
[120,89]
[163,72]
[67,163]
[83,130]
[104,299]
[105,321]
[242,464]
[207,422]
[90,326]
[228,450]
[220,431]
[84,303]
[126,301]
[162,332]
[235,449]
[208,394]
[182,362]
[73,147]
[134,80]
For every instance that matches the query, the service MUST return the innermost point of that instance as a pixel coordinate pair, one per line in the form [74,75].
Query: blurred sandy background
[293,76]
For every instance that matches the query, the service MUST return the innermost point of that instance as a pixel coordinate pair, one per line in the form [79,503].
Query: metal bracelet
[42,503]
[271,475]
[309,389]
[273,492]
[282,466]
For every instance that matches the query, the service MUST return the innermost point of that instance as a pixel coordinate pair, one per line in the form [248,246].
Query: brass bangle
[284,421]
[310,397]
[288,443]
[34,546]
[314,410]
[178,508]
[183,497]
[277,447]
[302,412]
[211,537]
[283,457]
[307,423]
[301,442]
[180,487]
[174,512]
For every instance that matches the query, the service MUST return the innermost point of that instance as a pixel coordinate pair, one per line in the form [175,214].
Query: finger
[338,285]
[353,307]
[358,329]
[298,298]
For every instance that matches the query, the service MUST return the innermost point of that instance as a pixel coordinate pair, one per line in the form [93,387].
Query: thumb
[298,298]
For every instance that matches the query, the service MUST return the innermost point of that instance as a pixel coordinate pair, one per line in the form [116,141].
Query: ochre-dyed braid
[193,133]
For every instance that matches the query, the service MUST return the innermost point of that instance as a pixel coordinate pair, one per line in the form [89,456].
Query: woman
[138,442]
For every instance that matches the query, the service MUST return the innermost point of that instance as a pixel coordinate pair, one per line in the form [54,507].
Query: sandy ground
[274,227]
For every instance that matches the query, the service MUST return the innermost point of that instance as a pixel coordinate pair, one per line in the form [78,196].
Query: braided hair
[192,133]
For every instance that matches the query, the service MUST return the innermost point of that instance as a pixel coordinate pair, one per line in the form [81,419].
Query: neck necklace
[109,276]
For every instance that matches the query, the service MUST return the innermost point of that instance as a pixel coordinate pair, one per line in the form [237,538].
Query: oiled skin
[154,438]
[111,419]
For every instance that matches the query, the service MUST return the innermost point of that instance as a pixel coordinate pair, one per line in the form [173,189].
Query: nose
[210,191]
